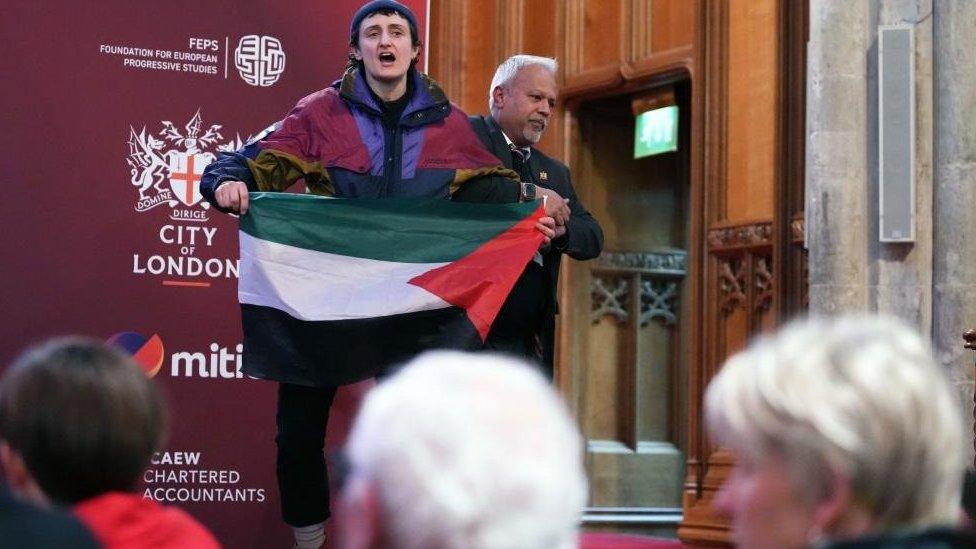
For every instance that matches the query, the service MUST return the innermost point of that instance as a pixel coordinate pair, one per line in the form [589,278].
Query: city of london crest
[167,169]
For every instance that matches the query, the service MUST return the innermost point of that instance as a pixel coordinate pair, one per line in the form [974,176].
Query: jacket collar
[501,143]
[428,104]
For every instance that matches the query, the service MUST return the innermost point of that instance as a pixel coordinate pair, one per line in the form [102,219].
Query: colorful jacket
[336,141]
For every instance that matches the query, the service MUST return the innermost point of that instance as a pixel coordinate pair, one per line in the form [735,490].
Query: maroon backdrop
[112,108]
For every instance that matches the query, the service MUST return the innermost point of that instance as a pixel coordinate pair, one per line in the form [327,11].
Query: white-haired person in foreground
[845,434]
[463,451]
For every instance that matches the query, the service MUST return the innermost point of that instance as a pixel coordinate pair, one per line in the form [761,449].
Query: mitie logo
[147,352]
[219,363]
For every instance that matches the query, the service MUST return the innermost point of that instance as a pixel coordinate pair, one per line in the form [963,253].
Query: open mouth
[387,57]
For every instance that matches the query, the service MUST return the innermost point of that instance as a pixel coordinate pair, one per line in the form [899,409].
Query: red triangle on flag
[481,281]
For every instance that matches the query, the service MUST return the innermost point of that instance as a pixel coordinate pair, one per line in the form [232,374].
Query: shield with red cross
[185,170]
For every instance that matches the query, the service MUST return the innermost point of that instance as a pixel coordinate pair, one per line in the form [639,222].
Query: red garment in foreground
[128,521]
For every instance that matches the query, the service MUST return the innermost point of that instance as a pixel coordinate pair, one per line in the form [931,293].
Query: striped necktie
[519,158]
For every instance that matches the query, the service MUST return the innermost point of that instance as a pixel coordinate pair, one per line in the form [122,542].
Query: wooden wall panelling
[740,260]
[661,41]
[635,293]
[753,88]
[703,476]
[692,232]
[697,253]
[789,222]
[592,42]
[613,48]
[763,281]
[757,268]
[707,167]
[470,37]
[620,463]
[609,49]
[443,52]
[540,24]
[603,25]
[671,21]
[636,297]
[462,49]
[572,34]
[626,394]
[637,31]
[795,294]
[612,44]
[510,27]
[542,35]
[574,294]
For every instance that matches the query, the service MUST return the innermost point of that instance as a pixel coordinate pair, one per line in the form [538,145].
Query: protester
[845,434]
[79,422]
[382,130]
[463,451]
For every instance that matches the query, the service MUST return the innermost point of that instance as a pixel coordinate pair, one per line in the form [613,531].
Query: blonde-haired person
[463,451]
[845,434]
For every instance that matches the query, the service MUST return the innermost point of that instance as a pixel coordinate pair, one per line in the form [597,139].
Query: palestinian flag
[334,290]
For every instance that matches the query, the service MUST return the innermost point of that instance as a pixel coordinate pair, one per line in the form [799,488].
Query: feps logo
[147,353]
[260,60]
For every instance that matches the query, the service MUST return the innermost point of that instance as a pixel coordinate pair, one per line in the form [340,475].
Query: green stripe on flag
[409,230]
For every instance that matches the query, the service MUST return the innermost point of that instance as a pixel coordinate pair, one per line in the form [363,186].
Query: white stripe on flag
[312,285]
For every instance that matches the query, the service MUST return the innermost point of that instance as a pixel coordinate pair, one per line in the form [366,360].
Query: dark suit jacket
[583,238]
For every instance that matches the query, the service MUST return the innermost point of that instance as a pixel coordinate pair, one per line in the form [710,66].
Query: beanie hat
[378,5]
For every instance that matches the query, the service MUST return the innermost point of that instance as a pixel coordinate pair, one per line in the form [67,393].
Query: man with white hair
[845,434]
[463,451]
[522,96]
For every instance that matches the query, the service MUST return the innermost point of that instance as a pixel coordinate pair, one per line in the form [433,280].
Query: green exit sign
[657,132]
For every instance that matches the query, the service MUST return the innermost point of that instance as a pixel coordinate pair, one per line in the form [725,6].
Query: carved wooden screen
[633,458]
[631,365]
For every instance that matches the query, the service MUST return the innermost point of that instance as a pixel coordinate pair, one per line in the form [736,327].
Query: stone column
[954,262]
[850,269]
[837,155]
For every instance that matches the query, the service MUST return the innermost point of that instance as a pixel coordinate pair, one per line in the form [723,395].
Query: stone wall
[930,283]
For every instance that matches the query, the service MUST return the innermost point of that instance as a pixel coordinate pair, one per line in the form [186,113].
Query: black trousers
[517,329]
[303,481]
